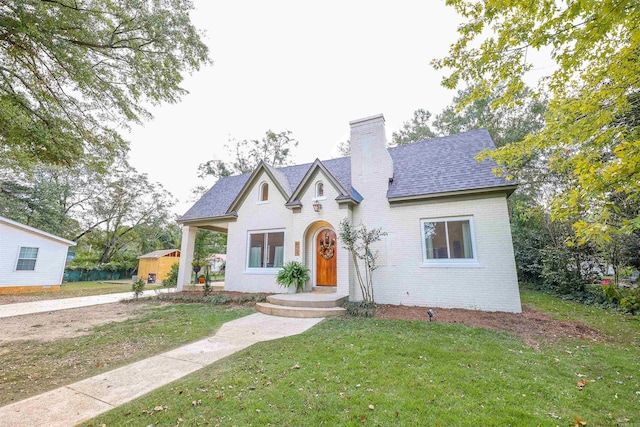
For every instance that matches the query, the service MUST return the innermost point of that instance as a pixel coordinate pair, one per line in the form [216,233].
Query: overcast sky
[305,67]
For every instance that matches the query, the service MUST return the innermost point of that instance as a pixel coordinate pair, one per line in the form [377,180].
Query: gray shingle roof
[442,165]
[437,165]
[218,199]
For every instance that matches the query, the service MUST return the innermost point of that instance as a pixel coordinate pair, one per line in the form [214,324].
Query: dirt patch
[532,325]
[61,324]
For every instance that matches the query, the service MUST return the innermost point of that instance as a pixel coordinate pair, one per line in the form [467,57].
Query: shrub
[360,308]
[172,278]
[628,299]
[556,274]
[137,288]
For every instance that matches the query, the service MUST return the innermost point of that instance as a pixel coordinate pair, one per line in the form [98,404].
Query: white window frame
[450,262]
[315,194]
[260,192]
[35,264]
[265,270]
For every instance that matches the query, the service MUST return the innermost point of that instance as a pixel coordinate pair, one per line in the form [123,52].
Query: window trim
[262,186]
[450,262]
[264,270]
[315,194]
[35,264]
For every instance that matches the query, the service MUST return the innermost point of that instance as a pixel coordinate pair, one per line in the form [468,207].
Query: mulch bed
[532,325]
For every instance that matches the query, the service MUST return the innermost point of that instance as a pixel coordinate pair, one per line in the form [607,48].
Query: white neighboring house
[449,238]
[215,261]
[30,259]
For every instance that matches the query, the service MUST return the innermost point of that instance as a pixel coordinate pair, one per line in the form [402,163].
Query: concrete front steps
[306,304]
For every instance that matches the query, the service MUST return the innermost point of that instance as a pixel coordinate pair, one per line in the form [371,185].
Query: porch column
[186,255]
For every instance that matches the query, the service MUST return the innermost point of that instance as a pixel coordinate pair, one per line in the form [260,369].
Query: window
[448,239]
[264,192]
[319,190]
[266,250]
[27,259]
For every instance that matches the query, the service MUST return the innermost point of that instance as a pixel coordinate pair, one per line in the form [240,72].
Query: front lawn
[394,372]
[32,367]
[74,289]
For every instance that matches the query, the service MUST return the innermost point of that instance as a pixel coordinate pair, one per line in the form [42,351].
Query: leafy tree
[274,148]
[344,148]
[414,130]
[506,125]
[72,72]
[588,138]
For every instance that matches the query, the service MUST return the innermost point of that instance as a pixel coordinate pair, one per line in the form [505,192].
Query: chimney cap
[375,118]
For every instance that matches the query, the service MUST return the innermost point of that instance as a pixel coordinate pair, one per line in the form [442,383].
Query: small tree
[137,288]
[358,241]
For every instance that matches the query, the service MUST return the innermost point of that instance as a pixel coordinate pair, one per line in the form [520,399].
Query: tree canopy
[590,135]
[274,148]
[73,72]
[415,129]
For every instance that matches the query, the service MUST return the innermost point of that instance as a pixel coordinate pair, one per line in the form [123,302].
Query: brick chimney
[371,164]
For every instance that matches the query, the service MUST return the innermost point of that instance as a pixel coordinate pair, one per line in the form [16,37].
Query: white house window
[266,250]
[264,192]
[450,238]
[319,190]
[27,259]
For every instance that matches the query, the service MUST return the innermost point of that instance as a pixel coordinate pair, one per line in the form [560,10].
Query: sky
[307,67]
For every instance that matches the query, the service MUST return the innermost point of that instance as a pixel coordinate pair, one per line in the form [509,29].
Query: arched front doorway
[326,256]
[321,256]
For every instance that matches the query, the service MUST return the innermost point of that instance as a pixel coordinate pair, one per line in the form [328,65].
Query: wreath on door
[327,246]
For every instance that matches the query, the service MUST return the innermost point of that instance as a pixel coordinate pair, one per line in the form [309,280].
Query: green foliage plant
[590,141]
[172,278]
[138,288]
[75,72]
[627,298]
[293,274]
[207,281]
[358,241]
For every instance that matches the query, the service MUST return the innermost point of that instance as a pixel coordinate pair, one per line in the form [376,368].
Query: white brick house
[448,242]
[30,259]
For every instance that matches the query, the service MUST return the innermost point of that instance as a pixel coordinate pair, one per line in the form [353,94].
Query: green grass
[74,289]
[31,367]
[413,373]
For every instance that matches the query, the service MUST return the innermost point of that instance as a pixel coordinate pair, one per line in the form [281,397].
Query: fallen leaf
[158,408]
[197,402]
[372,407]
[363,419]
[97,364]
[581,384]
[296,366]
[580,422]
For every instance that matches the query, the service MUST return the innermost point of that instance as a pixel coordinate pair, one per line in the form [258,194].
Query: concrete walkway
[21,308]
[70,405]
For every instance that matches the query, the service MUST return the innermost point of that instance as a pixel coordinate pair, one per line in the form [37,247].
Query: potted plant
[293,276]
[197,265]
[201,279]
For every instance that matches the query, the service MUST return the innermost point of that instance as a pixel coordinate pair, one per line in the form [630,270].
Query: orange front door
[326,255]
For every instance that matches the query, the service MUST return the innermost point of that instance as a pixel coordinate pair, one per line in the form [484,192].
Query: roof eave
[230,216]
[508,189]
